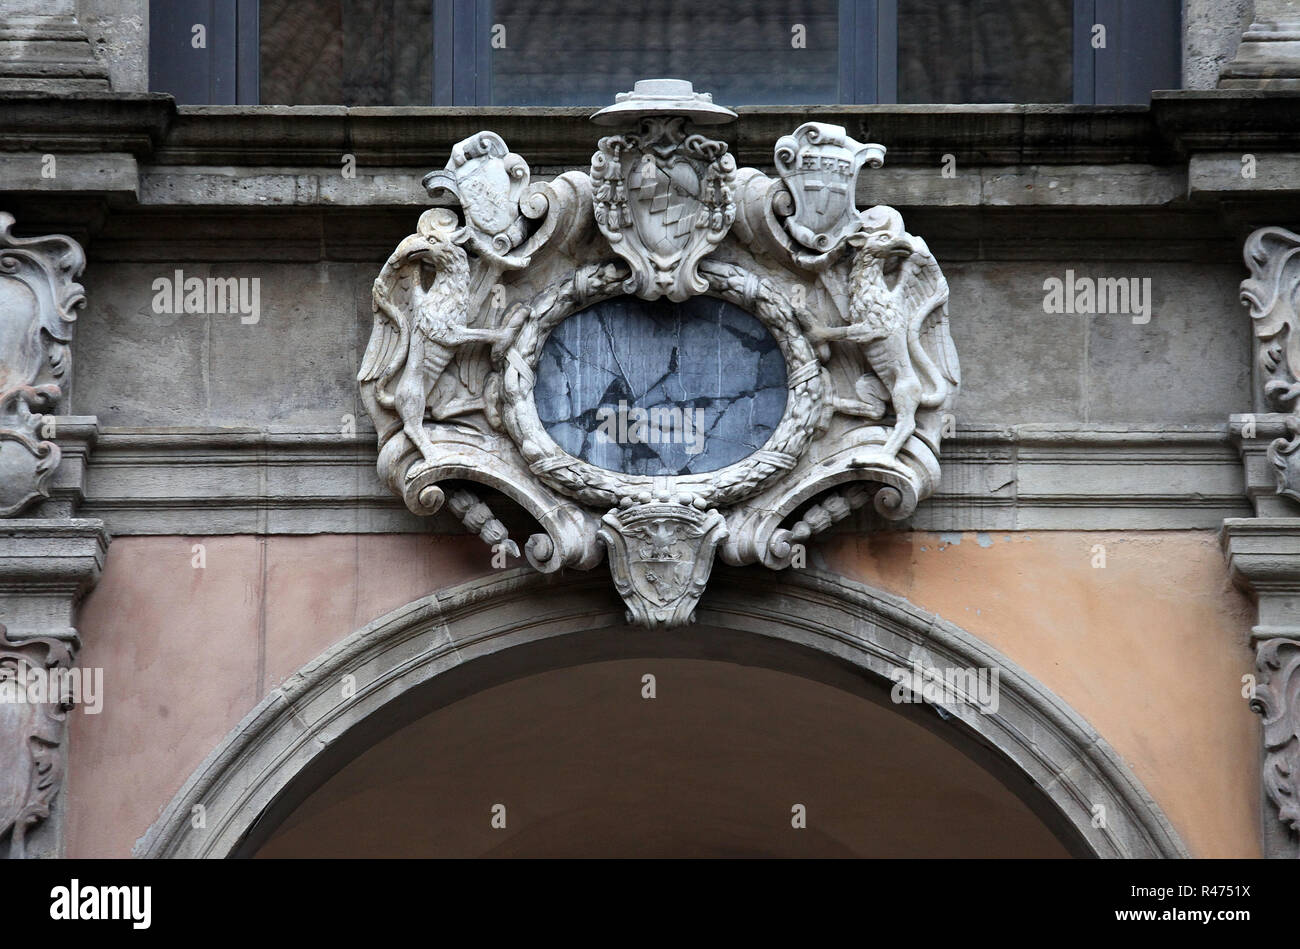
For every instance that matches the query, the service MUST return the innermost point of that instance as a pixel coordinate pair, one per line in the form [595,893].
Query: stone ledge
[46,566]
[247,481]
[103,173]
[1263,551]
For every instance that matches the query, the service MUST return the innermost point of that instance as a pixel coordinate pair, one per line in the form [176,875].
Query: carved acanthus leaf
[1277,699]
[31,736]
[1272,292]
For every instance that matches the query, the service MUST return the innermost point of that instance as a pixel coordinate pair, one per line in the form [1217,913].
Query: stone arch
[455,642]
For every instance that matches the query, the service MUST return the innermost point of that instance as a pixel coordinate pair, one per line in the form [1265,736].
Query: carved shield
[660,555]
[819,164]
[488,180]
[663,199]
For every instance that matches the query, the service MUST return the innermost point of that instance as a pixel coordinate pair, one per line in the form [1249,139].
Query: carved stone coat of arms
[856,305]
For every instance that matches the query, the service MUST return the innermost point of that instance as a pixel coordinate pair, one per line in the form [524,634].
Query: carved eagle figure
[417,330]
[895,287]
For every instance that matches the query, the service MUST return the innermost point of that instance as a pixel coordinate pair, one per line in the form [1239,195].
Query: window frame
[460,33]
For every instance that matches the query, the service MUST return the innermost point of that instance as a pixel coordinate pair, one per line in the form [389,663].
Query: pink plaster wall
[188,652]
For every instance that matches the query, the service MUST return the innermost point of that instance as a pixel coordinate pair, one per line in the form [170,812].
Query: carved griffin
[895,288]
[419,324]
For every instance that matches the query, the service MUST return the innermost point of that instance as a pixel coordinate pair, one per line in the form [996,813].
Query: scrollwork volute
[856,306]
[1272,292]
[39,296]
[31,737]
[1277,700]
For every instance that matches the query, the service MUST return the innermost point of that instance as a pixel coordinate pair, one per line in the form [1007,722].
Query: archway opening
[663,757]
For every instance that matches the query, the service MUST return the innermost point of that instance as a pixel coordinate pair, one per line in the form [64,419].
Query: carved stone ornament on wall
[1277,699]
[1272,292]
[31,736]
[38,299]
[1264,548]
[464,306]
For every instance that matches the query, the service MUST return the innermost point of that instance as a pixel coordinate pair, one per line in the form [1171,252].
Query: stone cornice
[234,481]
[84,122]
[1264,552]
[151,125]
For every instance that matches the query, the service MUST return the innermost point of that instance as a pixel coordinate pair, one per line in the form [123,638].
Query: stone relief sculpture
[1277,699]
[1272,295]
[857,306]
[38,299]
[48,562]
[31,736]
[1272,292]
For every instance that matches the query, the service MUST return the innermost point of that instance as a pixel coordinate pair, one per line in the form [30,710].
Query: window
[582,52]
[985,51]
[323,52]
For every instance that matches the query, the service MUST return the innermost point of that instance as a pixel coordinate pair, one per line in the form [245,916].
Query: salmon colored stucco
[1140,632]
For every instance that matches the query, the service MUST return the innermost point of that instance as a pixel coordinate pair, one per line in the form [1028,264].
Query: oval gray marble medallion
[661,388]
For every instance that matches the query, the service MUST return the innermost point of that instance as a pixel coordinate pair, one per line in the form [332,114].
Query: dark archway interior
[713,765]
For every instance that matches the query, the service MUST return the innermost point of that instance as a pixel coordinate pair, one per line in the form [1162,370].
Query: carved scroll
[1273,257]
[1277,699]
[31,737]
[38,299]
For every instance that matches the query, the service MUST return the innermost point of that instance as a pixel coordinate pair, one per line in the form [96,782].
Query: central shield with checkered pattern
[664,198]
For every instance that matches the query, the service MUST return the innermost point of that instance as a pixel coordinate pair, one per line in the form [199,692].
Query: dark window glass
[985,51]
[582,52]
[346,52]
[661,388]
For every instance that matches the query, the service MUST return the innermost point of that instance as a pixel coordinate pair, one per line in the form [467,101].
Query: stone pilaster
[1264,556]
[1264,551]
[1269,54]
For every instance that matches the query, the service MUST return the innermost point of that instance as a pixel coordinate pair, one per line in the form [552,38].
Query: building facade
[396,462]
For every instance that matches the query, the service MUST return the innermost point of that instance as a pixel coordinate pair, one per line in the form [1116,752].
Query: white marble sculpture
[857,306]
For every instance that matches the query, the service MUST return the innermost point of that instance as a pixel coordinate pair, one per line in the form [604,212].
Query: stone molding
[159,134]
[230,481]
[46,566]
[428,653]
